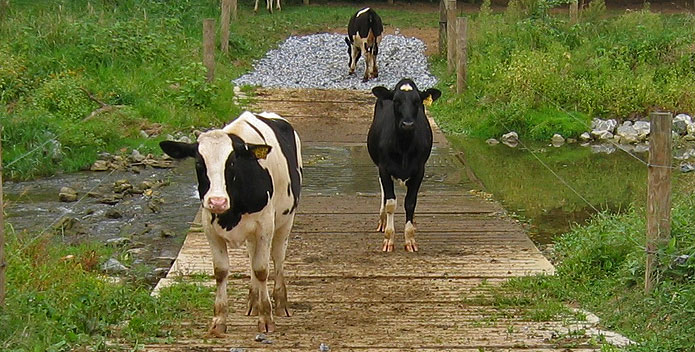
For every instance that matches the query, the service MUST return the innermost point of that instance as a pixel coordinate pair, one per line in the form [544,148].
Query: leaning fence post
[224,25]
[658,192]
[209,47]
[442,26]
[461,53]
[450,35]
[3,263]
[574,10]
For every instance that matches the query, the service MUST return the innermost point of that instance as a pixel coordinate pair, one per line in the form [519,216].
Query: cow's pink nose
[217,204]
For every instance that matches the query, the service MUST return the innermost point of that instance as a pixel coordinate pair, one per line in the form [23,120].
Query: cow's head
[219,157]
[407,102]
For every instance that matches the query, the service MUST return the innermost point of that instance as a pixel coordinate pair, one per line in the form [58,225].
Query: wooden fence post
[224,25]
[442,26]
[209,47]
[461,53]
[658,192]
[4,9]
[3,263]
[450,35]
[574,11]
[235,10]
[306,2]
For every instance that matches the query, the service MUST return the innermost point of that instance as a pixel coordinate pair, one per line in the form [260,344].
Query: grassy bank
[58,300]
[601,269]
[539,74]
[141,57]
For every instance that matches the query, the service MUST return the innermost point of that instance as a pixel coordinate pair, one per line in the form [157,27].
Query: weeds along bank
[141,57]
[600,268]
[539,74]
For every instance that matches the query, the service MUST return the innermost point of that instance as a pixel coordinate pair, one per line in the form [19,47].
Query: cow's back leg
[368,57]
[269,5]
[259,300]
[279,248]
[220,263]
[413,185]
[355,54]
[389,207]
[278,5]
[255,7]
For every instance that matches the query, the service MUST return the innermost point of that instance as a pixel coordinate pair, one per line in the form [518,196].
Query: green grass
[539,74]
[601,268]
[140,54]
[57,300]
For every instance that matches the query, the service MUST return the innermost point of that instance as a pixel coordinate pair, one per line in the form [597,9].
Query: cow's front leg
[278,253]
[382,210]
[255,7]
[220,263]
[413,185]
[269,5]
[259,299]
[390,208]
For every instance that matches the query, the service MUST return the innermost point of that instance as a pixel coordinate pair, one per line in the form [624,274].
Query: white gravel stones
[321,61]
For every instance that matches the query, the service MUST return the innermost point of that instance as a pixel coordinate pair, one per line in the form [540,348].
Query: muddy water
[154,225]
[603,181]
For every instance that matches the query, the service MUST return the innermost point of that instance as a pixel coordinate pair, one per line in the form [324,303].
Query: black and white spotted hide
[399,143]
[364,36]
[249,180]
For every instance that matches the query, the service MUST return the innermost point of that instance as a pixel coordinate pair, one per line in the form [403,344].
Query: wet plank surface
[343,290]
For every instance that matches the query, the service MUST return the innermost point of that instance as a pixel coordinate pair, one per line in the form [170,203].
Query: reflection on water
[611,182]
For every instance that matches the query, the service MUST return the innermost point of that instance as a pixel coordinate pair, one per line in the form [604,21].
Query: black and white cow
[249,179]
[399,143]
[268,6]
[364,35]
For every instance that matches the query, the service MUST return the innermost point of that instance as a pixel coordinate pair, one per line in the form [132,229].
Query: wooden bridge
[343,291]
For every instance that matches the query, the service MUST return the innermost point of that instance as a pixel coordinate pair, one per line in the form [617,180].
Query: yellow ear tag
[261,152]
[427,101]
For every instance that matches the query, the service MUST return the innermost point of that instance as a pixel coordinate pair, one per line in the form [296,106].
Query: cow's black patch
[257,131]
[249,185]
[285,135]
[400,138]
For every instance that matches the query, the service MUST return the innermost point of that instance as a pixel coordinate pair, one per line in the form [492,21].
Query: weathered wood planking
[346,293]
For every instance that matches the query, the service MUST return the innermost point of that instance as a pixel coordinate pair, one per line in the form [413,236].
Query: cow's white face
[215,150]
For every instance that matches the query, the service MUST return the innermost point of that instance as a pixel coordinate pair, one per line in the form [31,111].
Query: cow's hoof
[350,73]
[282,311]
[411,246]
[387,246]
[217,330]
[266,326]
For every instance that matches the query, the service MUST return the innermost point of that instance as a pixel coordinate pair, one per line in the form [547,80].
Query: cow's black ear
[259,151]
[431,93]
[179,150]
[382,93]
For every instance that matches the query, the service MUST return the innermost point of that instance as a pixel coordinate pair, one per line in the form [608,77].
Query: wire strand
[553,172]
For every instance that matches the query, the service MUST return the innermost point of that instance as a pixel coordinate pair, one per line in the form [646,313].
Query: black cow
[399,143]
[249,180]
[364,35]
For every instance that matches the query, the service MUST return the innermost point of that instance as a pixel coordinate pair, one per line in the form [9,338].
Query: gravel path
[321,61]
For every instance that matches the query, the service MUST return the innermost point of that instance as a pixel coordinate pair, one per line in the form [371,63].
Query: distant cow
[399,143]
[268,6]
[364,36]
[249,180]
